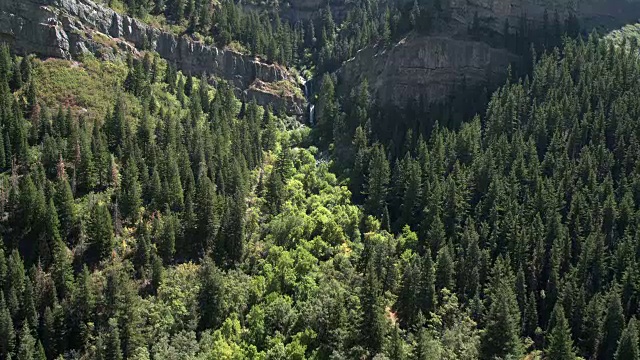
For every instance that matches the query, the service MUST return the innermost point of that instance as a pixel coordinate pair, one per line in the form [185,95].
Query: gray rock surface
[67,28]
[435,67]
[431,67]
[608,14]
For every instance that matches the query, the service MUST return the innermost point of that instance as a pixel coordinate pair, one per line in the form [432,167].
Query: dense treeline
[317,42]
[199,227]
[536,202]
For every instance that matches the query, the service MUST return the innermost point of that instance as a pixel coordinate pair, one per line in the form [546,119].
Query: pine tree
[444,269]
[112,348]
[116,126]
[39,352]
[427,285]
[157,273]
[628,345]
[7,334]
[427,348]
[48,332]
[65,207]
[100,231]
[327,109]
[208,214]
[142,256]
[27,347]
[83,302]
[270,131]
[129,198]
[408,304]
[612,327]
[373,328]
[377,182]
[560,344]
[397,347]
[530,316]
[28,313]
[167,236]
[211,296]
[501,337]
[275,192]
[233,233]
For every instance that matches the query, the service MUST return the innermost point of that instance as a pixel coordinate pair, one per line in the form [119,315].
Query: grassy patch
[289,88]
[89,87]
[237,47]
[105,40]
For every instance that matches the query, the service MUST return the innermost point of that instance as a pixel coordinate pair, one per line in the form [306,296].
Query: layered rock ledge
[69,28]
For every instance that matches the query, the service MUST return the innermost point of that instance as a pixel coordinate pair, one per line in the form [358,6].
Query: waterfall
[312,113]
[311,107]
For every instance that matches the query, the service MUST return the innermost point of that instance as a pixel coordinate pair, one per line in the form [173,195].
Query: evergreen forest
[170,218]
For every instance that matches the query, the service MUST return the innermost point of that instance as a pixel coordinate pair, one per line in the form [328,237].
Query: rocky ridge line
[70,28]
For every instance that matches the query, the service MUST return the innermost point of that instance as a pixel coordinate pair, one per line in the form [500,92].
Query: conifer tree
[211,296]
[7,334]
[628,345]
[167,236]
[501,337]
[130,191]
[39,352]
[612,327]
[427,285]
[373,328]
[112,349]
[560,344]
[208,214]
[377,182]
[408,304]
[100,231]
[65,207]
[444,269]
[27,346]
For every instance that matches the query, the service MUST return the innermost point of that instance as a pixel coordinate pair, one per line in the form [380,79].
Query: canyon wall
[69,28]
[428,67]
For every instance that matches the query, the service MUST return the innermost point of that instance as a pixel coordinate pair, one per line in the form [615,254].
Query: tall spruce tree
[560,344]
[628,345]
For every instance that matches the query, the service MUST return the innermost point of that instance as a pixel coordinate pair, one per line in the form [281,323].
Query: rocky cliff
[68,28]
[428,67]
[493,13]
[435,67]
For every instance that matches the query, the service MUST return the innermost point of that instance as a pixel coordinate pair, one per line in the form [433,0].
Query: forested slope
[150,215]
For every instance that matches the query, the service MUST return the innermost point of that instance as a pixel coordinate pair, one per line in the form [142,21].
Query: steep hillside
[70,28]
[457,45]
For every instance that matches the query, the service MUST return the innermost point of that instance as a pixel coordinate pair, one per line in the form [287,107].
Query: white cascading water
[311,106]
[312,109]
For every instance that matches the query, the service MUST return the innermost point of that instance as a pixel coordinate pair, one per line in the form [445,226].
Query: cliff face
[428,67]
[493,13]
[436,67]
[67,28]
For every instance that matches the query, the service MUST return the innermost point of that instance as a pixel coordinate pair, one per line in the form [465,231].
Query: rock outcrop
[428,67]
[435,67]
[68,28]
[493,13]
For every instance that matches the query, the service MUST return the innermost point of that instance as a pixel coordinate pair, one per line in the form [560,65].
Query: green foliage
[560,342]
[628,345]
[171,221]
